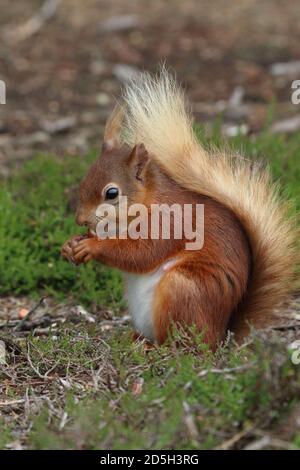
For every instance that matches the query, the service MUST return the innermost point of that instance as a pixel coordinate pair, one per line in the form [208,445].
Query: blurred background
[69,375]
[63,61]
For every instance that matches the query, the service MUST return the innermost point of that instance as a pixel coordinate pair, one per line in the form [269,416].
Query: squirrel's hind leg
[184,298]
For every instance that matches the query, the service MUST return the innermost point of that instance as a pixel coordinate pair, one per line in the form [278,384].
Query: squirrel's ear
[138,160]
[113,128]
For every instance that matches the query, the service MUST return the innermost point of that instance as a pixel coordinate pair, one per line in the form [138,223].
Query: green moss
[178,388]
[36,220]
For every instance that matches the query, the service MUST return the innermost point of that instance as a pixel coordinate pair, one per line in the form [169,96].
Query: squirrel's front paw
[85,250]
[67,250]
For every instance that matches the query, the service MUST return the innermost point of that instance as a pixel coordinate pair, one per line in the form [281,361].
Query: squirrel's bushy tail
[156,114]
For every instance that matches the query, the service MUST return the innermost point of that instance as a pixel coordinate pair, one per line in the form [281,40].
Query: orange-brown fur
[205,286]
[245,267]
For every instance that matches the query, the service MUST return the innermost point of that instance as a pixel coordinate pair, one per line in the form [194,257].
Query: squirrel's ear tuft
[113,128]
[138,160]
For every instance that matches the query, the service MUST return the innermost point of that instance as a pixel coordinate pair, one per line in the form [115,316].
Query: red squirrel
[245,268]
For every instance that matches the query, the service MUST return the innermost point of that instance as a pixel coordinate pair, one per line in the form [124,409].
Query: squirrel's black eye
[111,193]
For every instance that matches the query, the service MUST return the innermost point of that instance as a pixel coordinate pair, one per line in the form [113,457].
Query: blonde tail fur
[156,114]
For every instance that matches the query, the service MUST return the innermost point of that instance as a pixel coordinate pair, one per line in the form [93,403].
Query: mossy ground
[85,385]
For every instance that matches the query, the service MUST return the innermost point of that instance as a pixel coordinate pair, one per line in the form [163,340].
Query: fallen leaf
[23,312]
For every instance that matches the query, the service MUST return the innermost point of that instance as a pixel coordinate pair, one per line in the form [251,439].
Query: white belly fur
[140,294]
